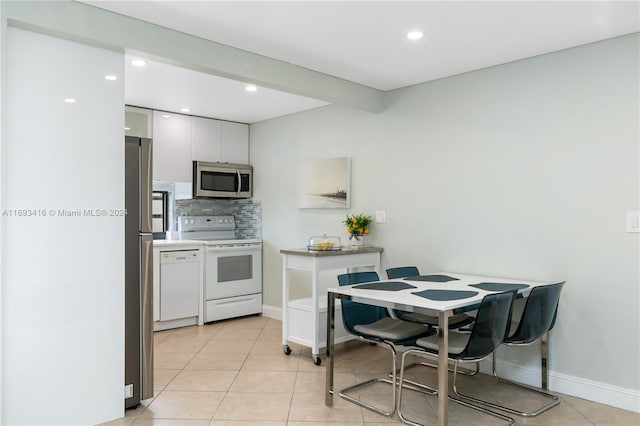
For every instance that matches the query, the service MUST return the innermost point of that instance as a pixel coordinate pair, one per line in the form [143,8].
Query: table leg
[544,357]
[315,313]
[285,302]
[443,368]
[331,313]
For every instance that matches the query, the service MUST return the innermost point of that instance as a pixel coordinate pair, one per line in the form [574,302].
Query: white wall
[63,277]
[521,170]
[3,133]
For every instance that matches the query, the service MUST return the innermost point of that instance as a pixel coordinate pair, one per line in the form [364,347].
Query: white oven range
[233,267]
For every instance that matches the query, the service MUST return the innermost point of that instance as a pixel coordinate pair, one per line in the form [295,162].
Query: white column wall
[63,276]
[3,133]
[524,170]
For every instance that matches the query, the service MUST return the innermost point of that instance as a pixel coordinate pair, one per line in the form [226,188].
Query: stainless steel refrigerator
[138,345]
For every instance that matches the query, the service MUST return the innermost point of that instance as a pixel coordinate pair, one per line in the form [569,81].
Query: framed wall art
[324,184]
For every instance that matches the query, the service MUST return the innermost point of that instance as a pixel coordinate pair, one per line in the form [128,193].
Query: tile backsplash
[202,207]
[247,212]
[248,215]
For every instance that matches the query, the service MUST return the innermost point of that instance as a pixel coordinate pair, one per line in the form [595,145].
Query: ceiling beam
[91,25]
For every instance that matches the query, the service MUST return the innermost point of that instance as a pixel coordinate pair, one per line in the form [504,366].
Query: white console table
[304,320]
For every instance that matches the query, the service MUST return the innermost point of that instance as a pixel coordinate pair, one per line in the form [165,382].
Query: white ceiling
[364,41]
[169,88]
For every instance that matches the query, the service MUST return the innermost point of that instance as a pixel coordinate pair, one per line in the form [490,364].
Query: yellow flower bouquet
[357,225]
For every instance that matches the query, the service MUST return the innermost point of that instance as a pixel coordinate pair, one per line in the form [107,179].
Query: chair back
[354,313]
[358,278]
[489,329]
[402,272]
[555,316]
[538,315]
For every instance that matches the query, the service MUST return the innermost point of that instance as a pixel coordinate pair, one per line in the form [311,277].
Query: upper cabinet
[235,143]
[178,140]
[171,147]
[223,141]
[206,137]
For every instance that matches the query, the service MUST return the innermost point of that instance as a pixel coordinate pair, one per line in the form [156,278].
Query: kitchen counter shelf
[304,320]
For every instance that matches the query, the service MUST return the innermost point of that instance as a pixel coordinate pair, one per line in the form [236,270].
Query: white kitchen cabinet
[235,143]
[206,137]
[178,140]
[171,147]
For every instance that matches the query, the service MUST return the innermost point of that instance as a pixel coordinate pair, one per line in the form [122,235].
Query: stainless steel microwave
[222,180]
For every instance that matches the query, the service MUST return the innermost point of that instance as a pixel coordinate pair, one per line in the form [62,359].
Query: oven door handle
[233,248]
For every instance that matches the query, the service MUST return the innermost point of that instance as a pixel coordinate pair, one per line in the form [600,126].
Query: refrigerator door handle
[146,296]
[146,191]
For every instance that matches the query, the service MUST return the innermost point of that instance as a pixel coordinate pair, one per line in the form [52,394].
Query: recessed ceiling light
[69,100]
[111,77]
[251,88]
[138,63]
[185,109]
[127,128]
[166,116]
[414,35]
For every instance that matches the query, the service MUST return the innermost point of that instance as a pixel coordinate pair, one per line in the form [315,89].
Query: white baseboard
[272,312]
[603,393]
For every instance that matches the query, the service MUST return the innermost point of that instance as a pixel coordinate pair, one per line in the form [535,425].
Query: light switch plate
[381,216]
[633,221]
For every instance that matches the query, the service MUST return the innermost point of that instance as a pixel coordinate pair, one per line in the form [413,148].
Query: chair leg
[462,400]
[401,385]
[554,399]
[544,357]
[392,382]
[419,387]
[465,371]
[415,386]
[484,410]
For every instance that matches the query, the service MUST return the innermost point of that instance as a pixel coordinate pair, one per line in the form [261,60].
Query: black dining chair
[373,324]
[537,319]
[487,334]
[457,320]
[402,272]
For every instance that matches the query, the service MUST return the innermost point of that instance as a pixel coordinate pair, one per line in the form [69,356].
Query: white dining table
[437,294]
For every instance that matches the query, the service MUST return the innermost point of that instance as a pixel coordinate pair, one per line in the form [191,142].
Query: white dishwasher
[179,284]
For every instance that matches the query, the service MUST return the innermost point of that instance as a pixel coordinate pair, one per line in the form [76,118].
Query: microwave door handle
[239,182]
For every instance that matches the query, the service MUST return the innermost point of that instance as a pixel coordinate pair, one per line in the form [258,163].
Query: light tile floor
[234,373]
